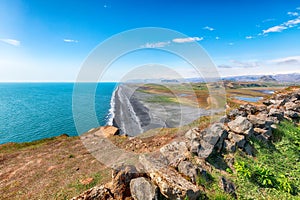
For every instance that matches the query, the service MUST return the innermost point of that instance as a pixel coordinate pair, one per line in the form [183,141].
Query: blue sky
[49,40]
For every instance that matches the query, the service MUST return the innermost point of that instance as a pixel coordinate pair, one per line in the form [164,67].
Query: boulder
[107,131]
[241,125]
[142,189]
[212,138]
[189,170]
[174,152]
[171,184]
[121,177]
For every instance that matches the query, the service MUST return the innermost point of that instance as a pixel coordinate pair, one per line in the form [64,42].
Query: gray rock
[174,152]
[205,149]
[121,177]
[192,134]
[292,106]
[227,186]
[238,140]
[213,138]
[248,108]
[171,184]
[229,146]
[276,113]
[188,169]
[224,119]
[241,125]
[142,189]
[291,114]
[260,120]
[195,146]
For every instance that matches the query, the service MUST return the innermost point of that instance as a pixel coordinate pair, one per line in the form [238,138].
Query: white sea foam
[111,111]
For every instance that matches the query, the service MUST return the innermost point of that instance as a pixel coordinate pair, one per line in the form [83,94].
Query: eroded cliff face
[171,172]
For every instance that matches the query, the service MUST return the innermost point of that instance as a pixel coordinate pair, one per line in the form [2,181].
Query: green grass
[81,187]
[275,172]
[10,147]
[162,99]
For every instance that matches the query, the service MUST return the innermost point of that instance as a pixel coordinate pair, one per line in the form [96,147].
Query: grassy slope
[274,172]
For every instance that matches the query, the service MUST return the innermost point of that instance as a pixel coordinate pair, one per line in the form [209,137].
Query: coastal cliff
[251,152]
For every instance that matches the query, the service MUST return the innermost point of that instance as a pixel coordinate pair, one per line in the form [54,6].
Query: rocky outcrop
[174,172]
[171,184]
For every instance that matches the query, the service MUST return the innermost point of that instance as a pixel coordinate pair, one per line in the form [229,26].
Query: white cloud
[231,43]
[217,38]
[188,39]
[294,14]
[208,28]
[298,8]
[274,29]
[286,25]
[291,60]
[249,37]
[156,44]
[293,22]
[11,41]
[70,40]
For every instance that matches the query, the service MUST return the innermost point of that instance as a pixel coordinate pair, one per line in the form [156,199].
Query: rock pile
[173,173]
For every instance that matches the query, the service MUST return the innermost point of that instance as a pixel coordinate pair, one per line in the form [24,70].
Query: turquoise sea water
[32,111]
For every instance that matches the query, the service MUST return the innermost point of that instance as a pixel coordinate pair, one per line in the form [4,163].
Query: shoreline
[135,113]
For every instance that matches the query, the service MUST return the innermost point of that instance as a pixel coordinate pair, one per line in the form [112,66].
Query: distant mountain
[283,78]
[267,78]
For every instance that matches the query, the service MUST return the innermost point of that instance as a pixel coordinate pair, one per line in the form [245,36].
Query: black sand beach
[135,114]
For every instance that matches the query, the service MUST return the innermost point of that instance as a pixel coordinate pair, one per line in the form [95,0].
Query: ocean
[33,111]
